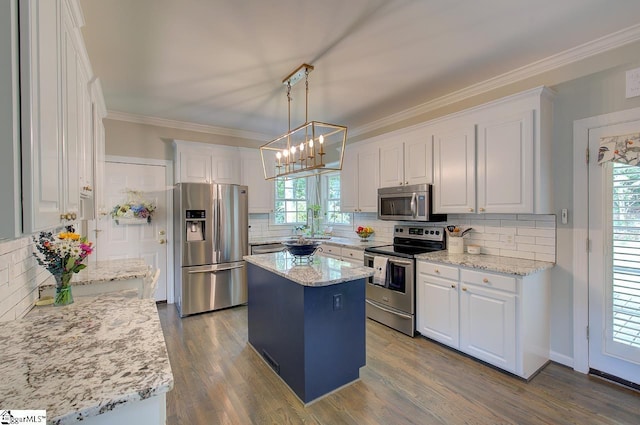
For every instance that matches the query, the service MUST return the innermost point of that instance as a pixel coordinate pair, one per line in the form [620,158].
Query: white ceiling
[221,62]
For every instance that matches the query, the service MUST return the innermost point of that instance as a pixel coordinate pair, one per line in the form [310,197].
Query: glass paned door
[624,303]
[614,262]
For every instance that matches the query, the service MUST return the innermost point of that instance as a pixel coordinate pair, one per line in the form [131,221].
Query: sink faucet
[310,216]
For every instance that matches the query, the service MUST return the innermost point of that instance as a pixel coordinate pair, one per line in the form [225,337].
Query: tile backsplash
[524,236]
[20,276]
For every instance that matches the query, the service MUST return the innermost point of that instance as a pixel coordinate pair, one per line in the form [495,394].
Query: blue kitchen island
[307,320]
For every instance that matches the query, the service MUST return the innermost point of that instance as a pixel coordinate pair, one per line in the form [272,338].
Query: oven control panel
[427,233]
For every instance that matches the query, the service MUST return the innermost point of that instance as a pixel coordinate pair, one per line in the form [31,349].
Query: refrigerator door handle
[217,269]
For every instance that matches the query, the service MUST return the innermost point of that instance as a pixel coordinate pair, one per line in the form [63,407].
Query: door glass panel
[625,308]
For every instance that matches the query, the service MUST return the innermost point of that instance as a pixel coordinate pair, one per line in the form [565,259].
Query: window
[291,201]
[626,254]
[332,201]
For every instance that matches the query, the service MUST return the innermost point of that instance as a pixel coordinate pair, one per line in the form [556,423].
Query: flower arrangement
[62,255]
[364,232]
[134,208]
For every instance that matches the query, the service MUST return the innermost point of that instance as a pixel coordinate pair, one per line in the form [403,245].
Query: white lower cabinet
[499,319]
[342,253]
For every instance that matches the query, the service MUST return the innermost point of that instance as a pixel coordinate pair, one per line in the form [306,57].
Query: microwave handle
[414,205]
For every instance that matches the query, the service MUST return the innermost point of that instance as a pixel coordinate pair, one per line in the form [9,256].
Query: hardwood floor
[219,379]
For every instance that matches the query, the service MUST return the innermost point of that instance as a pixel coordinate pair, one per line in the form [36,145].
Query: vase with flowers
[364,233]
[62,254]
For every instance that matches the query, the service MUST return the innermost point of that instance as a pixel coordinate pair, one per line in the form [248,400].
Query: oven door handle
[400,262]
[396,313]
[414,205]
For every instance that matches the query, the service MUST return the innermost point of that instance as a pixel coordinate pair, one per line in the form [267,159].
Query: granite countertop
[84,359]
[334,240]
[322,271]
[109,270]
[493,263]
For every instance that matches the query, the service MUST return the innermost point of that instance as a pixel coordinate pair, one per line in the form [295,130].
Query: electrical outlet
[337,302]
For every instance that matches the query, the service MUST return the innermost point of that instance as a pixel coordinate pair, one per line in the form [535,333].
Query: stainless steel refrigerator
[211,230]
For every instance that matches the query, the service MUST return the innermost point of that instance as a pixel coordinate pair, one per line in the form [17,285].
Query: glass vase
[63,289]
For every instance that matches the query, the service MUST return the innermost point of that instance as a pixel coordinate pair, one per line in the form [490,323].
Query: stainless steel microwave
[407,203]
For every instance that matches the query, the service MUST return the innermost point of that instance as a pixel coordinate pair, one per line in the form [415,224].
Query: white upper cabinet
[42,148]
[391,163]
[418,157]
[57,147]
[260,190]
[407,158]
[204,163]
[505,168]
[359,178]
[511,171]
[454,189]
[10,211]
[98,113]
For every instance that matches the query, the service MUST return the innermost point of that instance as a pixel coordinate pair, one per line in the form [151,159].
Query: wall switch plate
[564,217]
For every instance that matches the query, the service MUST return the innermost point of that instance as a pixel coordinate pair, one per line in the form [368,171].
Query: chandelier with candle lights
[310,149]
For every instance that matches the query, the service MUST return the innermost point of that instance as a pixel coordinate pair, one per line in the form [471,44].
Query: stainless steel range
[391,297]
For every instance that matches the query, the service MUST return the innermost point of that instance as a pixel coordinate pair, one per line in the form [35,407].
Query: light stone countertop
[84,359]
[334,240]
[108,271]
[322,271]
[492,263]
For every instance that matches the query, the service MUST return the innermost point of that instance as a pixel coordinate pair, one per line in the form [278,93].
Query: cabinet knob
[470,209]
[481,209]
[485,280]
[436,271]
[453,286]
[406,182]
[464,289]
[162,241]
[400,184]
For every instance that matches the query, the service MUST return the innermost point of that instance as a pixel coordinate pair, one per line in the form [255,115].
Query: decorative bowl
[301,248]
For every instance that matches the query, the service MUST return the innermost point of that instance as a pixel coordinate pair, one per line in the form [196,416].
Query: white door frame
[581,228]
[168,164]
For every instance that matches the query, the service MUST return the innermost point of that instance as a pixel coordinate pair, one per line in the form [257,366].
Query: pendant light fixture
[313,148]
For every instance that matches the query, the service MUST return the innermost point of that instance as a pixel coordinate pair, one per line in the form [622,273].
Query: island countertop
[322,271]
[492,263]
[84,359]
[109,271]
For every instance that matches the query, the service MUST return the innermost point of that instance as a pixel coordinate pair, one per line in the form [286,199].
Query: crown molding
[188,126]
[569,56]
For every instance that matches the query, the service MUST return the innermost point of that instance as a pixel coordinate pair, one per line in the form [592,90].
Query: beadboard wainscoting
[20,276]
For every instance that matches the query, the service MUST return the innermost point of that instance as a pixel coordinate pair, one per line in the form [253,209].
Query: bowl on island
[301,247]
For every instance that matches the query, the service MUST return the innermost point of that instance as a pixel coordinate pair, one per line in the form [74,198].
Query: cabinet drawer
[331,250]
[489,280]
[356,255]
[439,270]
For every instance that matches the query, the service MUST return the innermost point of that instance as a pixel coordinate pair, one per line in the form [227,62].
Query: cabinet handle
[464,289]
[470,209]
[481,209]
[453,286]
[485,280]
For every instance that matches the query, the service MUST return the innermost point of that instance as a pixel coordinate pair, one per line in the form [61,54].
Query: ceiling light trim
[184,125]
[550,63]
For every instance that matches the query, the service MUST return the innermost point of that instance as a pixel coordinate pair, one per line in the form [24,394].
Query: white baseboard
[563,359]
